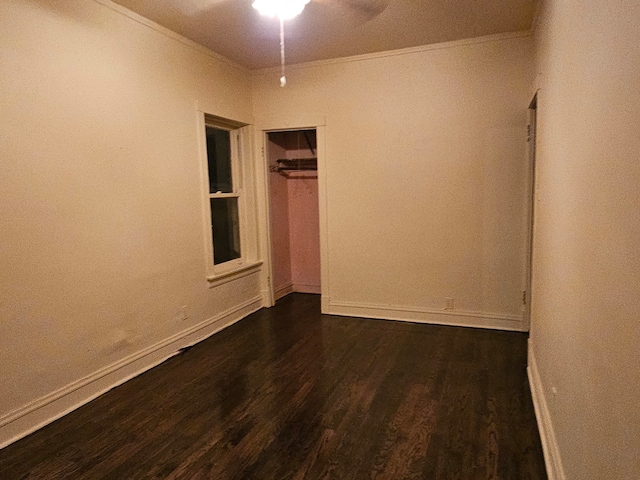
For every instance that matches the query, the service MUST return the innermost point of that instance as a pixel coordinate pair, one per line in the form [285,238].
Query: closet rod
[297,164]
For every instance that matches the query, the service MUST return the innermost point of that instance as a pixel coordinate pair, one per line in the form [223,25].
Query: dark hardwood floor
[288,393]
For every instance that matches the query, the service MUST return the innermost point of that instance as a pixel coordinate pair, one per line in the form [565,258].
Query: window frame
[221,271]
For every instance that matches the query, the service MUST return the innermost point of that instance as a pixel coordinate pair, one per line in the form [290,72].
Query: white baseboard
[324,303]
[305,288]
[265,293]
[285,290]
[456,318]
[282,291]
[37,414]
[550,448]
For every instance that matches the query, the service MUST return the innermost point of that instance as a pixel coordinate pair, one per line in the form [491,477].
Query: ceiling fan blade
[368,9]
[193,7]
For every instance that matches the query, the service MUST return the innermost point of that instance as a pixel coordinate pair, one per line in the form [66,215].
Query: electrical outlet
[182,313]
[448,303]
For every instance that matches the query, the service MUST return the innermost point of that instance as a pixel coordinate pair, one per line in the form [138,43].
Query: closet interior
[293,202]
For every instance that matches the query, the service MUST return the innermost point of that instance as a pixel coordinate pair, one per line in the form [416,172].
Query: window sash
[237,193]
[225,230]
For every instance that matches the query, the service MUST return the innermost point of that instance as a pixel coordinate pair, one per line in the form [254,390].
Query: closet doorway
[294,212]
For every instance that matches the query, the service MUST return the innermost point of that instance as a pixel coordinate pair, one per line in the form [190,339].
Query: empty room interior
[380,239]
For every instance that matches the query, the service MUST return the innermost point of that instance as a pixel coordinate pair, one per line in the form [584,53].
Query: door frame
[263,207]
[530,216]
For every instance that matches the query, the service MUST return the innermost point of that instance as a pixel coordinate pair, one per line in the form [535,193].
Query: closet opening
[294,212]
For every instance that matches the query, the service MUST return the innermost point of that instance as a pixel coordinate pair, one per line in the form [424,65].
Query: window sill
[234,274]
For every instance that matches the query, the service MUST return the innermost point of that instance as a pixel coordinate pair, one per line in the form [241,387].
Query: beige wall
[100,201]
[426,173]
[586,286]
[424,156]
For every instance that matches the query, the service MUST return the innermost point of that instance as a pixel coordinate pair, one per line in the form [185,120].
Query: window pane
[225,228]
[219,158]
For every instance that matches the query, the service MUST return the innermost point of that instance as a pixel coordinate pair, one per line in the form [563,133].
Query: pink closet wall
[279,206]
[304,231]
[295,231]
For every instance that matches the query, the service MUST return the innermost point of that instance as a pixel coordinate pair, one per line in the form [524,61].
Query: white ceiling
[332,28]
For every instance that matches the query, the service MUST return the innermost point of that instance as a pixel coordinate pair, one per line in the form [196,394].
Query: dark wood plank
[288,393]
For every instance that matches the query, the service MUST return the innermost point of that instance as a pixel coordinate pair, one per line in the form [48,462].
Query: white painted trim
[265,294]
[550,447]
[283,291]
[241,156]
[455,318]
[325,301]
[323,209]
[236,273]
[306,288]
[529,206]
[401,51]
[34,415]
[263,221]
[171,34]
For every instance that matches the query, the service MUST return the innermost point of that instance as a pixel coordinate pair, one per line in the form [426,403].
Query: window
[224,196]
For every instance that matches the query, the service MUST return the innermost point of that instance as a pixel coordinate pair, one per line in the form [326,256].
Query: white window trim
[240,267]
[238,272]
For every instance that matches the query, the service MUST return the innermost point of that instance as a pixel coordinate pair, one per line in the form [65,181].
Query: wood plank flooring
[288,393]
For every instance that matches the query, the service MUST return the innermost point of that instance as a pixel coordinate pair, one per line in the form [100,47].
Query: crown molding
[402,51]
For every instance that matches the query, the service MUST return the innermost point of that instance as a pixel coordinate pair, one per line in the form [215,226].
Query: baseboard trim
[305,288]
[35,415]
[550,448]
[324,303]
[495,321]
[282,291]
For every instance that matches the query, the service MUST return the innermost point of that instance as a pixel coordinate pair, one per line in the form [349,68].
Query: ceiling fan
[367,9]
[288,9]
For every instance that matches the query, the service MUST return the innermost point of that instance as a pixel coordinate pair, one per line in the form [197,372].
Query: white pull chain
[283,79]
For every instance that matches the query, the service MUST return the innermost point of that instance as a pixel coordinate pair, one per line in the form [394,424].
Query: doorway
[294,217]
